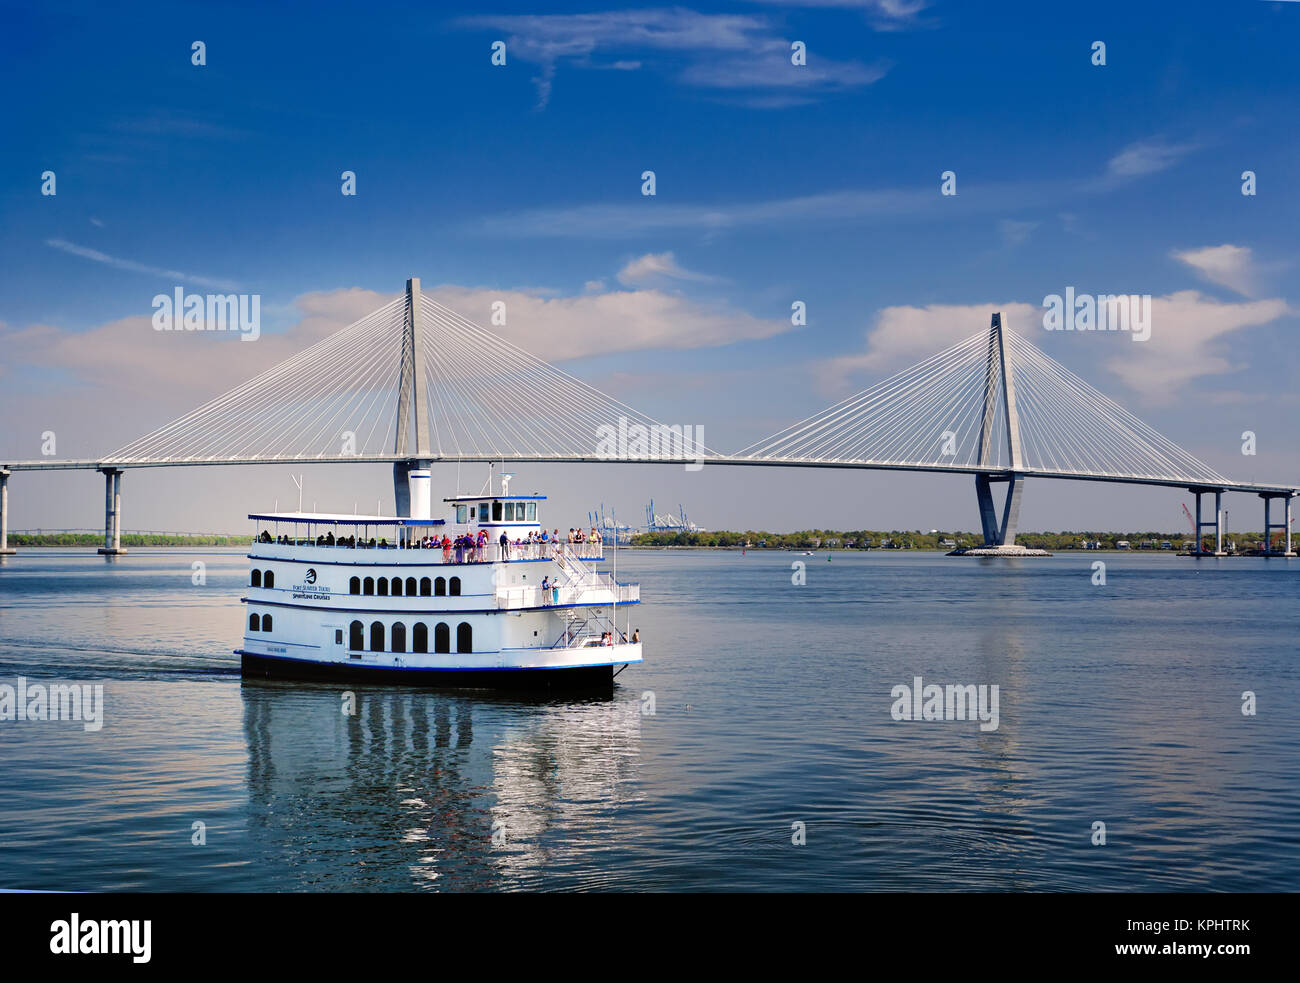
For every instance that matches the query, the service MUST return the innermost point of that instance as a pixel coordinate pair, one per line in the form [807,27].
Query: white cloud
[1147,157]
[711,51]
[904,335]
[657,267]
[1189,341]
[1227,265]
[560,328]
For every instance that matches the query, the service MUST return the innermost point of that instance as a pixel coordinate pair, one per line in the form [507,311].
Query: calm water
[1119,704]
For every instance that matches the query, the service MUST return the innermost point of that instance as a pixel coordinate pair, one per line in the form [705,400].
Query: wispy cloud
[650,216]
[132,266]
[884,15]
[657,267]
[1147,157]
[1227,265]
[724,52]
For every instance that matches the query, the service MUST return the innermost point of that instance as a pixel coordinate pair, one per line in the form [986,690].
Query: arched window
[268,581]
[254,623]
[420,637]
[397,586]
[440,587]
[383,586]
[464,637]
[257,578]
[356,636]
[426,586]
[354,585]
[442,637]
[455,586]
[369,586]
[399,634]
[266,622]
[376,636]
[410,587]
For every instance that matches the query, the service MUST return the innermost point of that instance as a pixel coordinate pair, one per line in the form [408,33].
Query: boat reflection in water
[434,789]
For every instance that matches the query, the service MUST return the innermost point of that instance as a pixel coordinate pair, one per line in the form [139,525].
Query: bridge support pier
[999,533]
[4,515]
[1217,522]
[1284,525]
[112,512]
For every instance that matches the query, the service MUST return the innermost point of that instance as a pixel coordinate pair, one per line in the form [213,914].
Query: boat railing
[453,554]
[602,589]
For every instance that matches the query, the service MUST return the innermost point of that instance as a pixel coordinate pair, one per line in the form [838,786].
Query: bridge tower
[412,481]
[999,388]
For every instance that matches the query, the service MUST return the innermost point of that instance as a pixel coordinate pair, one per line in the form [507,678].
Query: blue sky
[774,184]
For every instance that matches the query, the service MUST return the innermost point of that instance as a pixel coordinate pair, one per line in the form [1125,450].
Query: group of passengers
[469,547]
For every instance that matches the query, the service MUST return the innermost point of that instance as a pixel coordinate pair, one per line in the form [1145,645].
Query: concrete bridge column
[4,515]
[1201,522]
[1003,532]
[112,512]
[1270,525]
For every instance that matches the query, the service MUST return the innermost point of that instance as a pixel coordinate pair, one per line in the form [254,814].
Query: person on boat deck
[546,585]
[505,547]
[329,539]
[446,548]
[636,635]
[595,535]
[265,537]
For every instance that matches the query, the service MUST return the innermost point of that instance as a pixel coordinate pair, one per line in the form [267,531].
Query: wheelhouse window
[356,636]
[510,511]
[461,513]
[532,511]
[441,638]
[496,511]
[464,637]
[482,511]
[257,578]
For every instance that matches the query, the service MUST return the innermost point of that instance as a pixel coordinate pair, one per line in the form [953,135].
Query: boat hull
[570,678]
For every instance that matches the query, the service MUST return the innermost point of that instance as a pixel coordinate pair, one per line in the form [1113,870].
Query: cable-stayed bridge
[414,383]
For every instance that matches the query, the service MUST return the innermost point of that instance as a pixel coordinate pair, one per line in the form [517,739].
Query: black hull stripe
[569,678]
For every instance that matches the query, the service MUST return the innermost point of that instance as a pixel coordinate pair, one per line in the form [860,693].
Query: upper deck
[362,540]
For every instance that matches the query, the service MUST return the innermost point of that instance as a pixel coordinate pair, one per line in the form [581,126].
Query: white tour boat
[370,598]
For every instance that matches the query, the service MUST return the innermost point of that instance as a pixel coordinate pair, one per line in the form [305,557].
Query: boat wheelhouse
[484,596]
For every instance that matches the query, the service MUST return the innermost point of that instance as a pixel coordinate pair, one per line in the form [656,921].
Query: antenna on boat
[297,480]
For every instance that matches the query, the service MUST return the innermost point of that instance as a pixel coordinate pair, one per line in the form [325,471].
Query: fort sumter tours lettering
[26,701]
[951,702]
